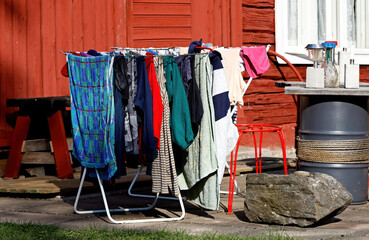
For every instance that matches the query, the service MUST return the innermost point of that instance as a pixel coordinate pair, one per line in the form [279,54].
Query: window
[300,22]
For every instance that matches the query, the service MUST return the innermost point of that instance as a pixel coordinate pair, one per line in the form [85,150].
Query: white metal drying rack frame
[138,172]
[109,211]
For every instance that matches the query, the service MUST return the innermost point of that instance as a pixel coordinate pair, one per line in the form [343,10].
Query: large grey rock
[299,199]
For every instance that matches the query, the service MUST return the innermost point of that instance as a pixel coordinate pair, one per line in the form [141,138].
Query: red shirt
[156,99]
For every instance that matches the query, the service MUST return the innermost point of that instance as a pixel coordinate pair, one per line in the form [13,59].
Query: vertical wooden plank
[63,41]
[48,47]
[89,30]
[77,26]
[128,27]
[101,26]
[19,48]
[202,22]
[15,154]
[217,22]
[236,23]
[59,140]
[110,23]
[33,45]
[6,58]
[209,10]
[225,23]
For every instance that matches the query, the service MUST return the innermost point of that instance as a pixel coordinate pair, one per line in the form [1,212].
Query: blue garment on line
[144,102]
[92,113]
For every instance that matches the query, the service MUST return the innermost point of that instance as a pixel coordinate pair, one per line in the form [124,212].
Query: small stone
[36,171]
[302,173]
[297,199]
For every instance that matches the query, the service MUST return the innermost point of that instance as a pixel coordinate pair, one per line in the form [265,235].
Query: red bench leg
[59,140]
[15,154]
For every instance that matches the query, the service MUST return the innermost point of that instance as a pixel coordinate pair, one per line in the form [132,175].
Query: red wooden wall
[33,33]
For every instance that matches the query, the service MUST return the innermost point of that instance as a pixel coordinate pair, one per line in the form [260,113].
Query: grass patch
[28,231]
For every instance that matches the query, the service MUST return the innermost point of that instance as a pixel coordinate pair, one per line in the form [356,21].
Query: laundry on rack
[156,98]
[180,119]
[186,66]
[130,115]
[175,111]
[226,133]
[230,60]
[144,102]
[256,60]
[120,101]
[197,176]
[92,112]
[164,175]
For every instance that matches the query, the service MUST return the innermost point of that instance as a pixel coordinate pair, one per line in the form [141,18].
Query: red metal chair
[253,129]
[257,128]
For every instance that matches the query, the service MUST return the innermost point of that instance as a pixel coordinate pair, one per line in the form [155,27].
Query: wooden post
[236,23]
[15,155]
[59,140]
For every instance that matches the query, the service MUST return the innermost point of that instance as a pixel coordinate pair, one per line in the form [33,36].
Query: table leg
[15,154]
[59,140]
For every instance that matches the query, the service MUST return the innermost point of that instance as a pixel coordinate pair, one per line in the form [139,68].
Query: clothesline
[143,49]
[117,53]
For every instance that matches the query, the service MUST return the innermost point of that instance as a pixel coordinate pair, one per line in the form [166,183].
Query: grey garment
[164,175]
[199,175]
[130,114]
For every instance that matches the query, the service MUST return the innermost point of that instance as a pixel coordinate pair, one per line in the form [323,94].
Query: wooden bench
[51,108]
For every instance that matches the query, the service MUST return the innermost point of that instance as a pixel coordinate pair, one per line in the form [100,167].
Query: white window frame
[298,54]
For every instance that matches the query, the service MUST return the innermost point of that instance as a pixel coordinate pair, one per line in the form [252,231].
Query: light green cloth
[198,178]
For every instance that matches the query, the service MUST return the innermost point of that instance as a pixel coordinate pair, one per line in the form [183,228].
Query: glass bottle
[331,79]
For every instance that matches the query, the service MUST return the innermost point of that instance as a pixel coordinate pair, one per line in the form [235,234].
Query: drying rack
[155,198]
[108,211]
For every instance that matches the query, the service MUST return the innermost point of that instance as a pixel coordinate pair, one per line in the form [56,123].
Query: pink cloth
[256,60]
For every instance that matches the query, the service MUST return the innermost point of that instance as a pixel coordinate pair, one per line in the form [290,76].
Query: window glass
[300,22]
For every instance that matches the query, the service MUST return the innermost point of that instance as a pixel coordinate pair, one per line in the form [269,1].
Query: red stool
[253,128]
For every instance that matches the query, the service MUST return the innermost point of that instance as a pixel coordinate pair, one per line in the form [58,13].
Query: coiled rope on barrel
[354,151]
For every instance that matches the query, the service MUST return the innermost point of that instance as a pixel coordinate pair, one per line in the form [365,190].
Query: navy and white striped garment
[226,133]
